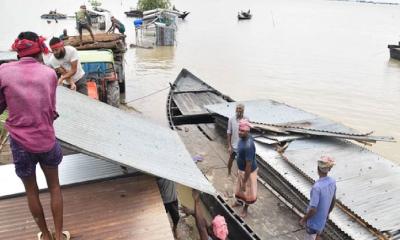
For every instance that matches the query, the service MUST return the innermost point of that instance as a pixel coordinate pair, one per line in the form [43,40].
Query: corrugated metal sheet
[122,209]
[279,114]
[76,168]
[109,133]
[7,56]
[265,140]
[368,184]
[303,185]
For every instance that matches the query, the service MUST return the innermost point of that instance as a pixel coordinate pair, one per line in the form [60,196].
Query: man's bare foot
[244,211]
[236,204]
[46,236]
[187,211]
[243,214]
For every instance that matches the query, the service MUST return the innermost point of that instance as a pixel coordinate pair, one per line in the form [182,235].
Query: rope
[148,95]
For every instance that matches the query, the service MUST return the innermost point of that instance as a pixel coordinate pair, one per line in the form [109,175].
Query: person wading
[28,91]
[246,183]
[322,200]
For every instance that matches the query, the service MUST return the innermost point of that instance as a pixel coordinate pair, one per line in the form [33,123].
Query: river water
[327,57]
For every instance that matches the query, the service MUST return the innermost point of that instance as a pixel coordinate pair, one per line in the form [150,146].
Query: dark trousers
[173,210]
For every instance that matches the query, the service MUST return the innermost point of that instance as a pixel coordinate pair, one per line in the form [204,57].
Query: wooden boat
[242,15]
[185,105]
[134,13]
[394,51]
[183,15]
[54,15]
[187,98]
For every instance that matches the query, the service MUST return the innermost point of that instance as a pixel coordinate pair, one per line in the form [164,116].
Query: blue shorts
[25,162]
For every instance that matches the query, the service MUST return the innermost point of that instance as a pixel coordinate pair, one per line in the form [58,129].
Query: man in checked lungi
[246,184]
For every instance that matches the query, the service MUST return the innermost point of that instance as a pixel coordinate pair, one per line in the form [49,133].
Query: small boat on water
[181,15]
[242,15]
[394,51]
[134,13]
[54,15]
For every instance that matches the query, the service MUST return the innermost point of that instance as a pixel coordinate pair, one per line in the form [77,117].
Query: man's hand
[302,222]
[61,80]
[72,86]
[195,194]
[230,149]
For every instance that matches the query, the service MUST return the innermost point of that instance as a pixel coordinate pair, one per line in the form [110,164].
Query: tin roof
[74,169]
[303,185]
[367,184]
[279,114]
[109,133]
[119,209]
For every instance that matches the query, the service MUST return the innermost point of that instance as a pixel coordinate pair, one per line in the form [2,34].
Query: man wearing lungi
[246,184]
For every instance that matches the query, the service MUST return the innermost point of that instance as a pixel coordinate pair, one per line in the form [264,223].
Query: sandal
[66,235]
[40,236]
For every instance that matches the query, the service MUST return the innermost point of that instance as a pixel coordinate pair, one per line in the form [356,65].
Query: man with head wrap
[65,60]
[28,91]
[232,133]
[322,200]
[246,183]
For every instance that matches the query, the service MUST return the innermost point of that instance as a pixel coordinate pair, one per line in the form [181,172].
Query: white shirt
[71,55]
[233,129]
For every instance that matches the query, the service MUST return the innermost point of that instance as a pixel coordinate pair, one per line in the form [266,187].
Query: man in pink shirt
[28,91]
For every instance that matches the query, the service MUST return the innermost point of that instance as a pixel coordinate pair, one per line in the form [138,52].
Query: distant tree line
[145,5]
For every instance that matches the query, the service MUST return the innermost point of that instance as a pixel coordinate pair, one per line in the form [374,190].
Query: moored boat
[394,51]
[242,15]
[53,15]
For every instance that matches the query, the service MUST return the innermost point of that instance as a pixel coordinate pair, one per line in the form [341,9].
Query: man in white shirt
[65,61]
[233,134]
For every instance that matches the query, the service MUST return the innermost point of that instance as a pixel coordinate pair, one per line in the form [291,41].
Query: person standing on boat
[246,183]
[322,200]
[170,200]
[116,25]
[28,91]
[82,17]
[217,230]
[65,58]
[233,134]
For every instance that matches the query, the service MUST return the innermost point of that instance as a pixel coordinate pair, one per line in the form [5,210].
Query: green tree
[145,5]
